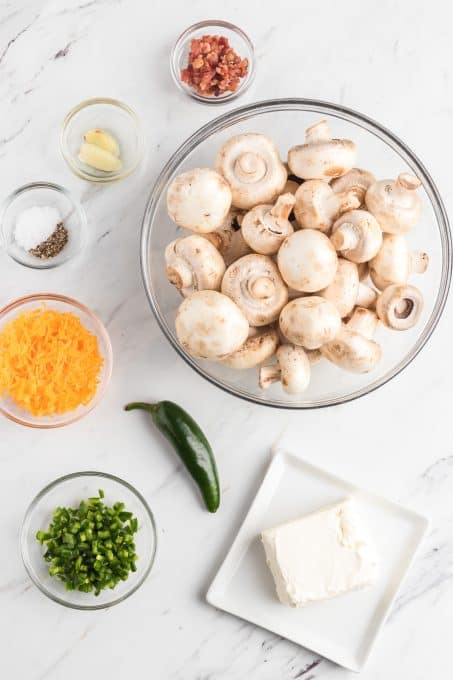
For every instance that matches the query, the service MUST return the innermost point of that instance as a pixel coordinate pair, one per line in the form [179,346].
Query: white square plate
[344,628]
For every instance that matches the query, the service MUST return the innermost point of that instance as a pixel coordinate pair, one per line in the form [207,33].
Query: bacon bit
[213,66]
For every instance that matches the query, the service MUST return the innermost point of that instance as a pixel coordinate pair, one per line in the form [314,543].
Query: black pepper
[53,245]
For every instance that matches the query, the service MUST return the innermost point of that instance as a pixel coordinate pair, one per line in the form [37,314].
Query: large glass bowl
[379,150]
[68,491]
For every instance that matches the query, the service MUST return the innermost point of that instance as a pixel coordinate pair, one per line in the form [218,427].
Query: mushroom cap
[395,203]
[316,206]
[391,264]
[399,306]
[293,370]
[265,227]
[366,296]
[251,165]
[354,178]
[258,347]
[310,321]
[321,157]
[193,263]
[364,321]
[199,200]
[357,236]
[255,285]
[344,288]
[352,351]
[210,325]
[307,260]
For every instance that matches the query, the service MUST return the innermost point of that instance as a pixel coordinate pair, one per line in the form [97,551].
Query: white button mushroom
[310,321]
[307,260]
[357,236]
[363,321]
[251,165]
[395,203]
[318,206]
[354,349]
[344,289]
[265,227]
[366,296]
[261,345]
[228,238]
[193,263]
[399,306]
[199,200]
[292,370]
[210,325]
[255,285]
[355,179]
[321,157]
[394,262]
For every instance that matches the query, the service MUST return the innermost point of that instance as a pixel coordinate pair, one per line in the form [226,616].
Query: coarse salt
[34,225]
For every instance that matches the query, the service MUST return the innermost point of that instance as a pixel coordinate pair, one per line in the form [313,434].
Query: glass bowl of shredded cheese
[55,360]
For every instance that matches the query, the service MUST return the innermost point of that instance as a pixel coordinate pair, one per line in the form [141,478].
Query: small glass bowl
[239,41]
[112,116]
[63,304]
[69,491]
[43,194]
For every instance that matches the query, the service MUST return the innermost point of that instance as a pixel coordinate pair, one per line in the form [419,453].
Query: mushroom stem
[292,370]
[419,262]
[269,375]
[283,207]
[363,321]
[408,181]
[318,132]
[262,287]
[250,167]
[180,274]
[345,237]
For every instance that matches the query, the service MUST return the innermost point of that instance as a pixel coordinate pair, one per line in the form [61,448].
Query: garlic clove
[98,158]
[103,140]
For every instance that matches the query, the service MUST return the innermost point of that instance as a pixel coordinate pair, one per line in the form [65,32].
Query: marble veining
[396,442]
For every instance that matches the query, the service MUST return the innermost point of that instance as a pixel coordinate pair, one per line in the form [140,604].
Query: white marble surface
[389,60]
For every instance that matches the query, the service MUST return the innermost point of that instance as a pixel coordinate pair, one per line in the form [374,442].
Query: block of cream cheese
[320,555]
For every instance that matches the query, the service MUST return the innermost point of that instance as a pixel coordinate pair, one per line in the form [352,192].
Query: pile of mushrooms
[292,263]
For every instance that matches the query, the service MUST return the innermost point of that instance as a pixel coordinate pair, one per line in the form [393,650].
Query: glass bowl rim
[243,113]
[244,84]
[114,177]
[41,494]
[108,359]
[23,189]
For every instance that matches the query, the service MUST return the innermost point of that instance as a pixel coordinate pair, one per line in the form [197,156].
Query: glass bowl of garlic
[101,140]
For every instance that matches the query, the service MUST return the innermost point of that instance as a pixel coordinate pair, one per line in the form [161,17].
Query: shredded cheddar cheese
[49,362]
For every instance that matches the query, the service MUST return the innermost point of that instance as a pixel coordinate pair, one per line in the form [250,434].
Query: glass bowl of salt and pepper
[42,225]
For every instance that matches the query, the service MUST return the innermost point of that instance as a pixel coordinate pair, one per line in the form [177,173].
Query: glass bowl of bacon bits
[213,62]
